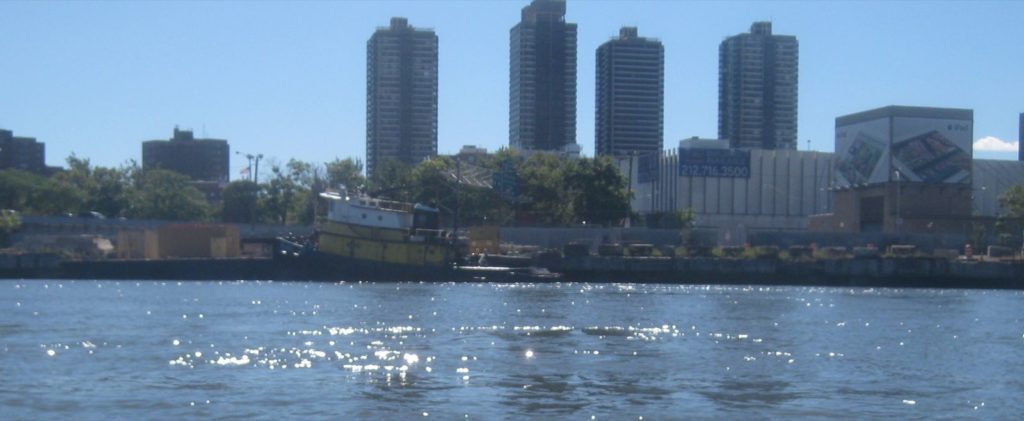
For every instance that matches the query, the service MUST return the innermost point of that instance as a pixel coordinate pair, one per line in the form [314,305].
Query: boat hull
[383,245]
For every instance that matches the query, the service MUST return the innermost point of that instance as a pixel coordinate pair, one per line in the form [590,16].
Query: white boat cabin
[359,209]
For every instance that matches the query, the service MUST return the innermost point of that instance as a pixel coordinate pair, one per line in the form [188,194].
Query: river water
[131,350]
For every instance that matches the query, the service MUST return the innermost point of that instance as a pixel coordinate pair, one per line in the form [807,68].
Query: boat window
[364,216]
[380,218]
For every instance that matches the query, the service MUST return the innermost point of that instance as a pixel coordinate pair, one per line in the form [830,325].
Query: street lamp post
[256,172]
[248,157]
[254,175]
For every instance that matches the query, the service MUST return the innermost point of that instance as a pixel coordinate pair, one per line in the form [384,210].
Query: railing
[385,204]
[111,226]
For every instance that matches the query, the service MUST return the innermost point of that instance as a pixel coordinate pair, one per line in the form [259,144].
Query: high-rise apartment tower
[757,89]
[1020,138]
[630,95]
[542,79]
[401,95]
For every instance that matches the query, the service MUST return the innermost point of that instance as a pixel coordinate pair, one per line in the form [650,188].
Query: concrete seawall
[894,272]
[872,272]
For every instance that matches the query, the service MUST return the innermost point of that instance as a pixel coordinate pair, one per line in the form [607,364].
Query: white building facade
[734,191]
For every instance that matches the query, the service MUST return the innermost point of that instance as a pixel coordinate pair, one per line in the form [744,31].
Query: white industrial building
[772,190]
[735,191]
[991,179]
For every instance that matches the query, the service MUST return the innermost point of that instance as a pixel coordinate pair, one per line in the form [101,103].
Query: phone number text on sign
[714,163]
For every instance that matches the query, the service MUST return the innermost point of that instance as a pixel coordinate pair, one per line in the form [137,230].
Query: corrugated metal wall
[781,183]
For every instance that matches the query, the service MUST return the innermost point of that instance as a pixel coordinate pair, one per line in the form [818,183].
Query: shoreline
[908,272]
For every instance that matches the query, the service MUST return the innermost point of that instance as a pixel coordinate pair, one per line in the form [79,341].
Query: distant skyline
[287,79]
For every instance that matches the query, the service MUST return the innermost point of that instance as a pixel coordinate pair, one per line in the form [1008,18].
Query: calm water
[132,350]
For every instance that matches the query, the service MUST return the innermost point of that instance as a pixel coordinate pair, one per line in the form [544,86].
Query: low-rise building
[903,170]
[22,153]
[205,161]
[734,191]
[200,159]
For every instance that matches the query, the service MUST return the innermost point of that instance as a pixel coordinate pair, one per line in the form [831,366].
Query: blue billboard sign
[731,163]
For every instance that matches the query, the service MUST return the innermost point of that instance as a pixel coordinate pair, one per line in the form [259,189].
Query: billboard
[862,153]
[729,163]
[932,150]
[919,149]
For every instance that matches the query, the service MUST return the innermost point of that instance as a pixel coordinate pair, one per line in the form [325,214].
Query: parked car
[91,215]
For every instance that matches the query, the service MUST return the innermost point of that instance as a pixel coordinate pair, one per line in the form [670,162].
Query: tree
[32,194]
[309,180]
[431,182]
[542,190]
[241,202]
[162,194]
[392,181]
[1010,225]
[103,189]
[598,191]
[682,220]
[1013,201]
[9,223]
[346,172]
[279,194]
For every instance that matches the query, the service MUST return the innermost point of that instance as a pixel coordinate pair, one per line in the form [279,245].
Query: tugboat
[371,239]
[376,230]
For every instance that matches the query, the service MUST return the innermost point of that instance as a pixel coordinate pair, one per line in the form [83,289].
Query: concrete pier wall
[892,272]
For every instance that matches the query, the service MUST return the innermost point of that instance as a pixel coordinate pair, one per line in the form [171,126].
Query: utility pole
[252,177]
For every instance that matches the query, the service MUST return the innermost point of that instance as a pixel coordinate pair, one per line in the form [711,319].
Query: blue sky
[287,79]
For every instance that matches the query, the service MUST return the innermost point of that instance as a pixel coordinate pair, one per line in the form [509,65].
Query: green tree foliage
[10,221]
[434,182]
[32,194]
[241,202]
[392,181]
[1013,201]
[279,194]
[598,191]
[544,196]
[162,194]
[346,172]
[681,220]
[309,179]
[554,191]
[105,190]
[543,189]
[1010,225]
